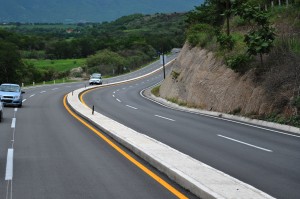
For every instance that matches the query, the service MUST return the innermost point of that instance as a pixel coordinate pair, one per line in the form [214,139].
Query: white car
[1,111]
[95,79]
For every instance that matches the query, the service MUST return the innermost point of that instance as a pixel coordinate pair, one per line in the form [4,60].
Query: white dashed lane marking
[9,164]
[165,118]
[132,107]
[251,145]
[13,123]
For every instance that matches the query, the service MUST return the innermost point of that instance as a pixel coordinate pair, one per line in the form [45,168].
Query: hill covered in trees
[74,11]
[110,48]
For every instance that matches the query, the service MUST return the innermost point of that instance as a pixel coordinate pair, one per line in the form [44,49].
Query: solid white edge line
[215,117]
[131,107]
[9,164]
[245,143]
[13,123]
[165,118]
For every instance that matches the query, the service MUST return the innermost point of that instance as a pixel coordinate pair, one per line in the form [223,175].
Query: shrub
[200,34]
[238,63]
[236,111]
[175,74]
[296,102]
[225,41]
[155,91]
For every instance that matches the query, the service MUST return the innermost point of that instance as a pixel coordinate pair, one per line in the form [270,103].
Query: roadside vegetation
[258,37]
[44,52]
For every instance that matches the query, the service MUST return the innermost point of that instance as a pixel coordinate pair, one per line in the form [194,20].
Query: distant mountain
[86,10]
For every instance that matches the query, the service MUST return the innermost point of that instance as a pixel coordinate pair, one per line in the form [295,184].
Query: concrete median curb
[201,179]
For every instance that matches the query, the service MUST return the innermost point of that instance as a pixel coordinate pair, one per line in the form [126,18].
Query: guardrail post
[33,83]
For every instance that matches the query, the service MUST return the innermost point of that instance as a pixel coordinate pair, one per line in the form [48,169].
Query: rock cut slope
[200,80]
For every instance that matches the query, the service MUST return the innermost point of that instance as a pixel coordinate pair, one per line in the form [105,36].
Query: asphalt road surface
[46,153]
[266,159]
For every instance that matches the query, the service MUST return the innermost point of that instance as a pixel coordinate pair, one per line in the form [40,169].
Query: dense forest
[110,48]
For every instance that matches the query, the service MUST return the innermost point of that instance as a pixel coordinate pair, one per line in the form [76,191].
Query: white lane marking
[113,95]
[9,164]
[118,100]
[212,116]
[24,100]
[16,109]
[245,143]
[130,86]
[118,90]
[165,118]
[54,89]
[114,92]
[32,95]
[124,88]
[132,107]
[43,92]
[13,123]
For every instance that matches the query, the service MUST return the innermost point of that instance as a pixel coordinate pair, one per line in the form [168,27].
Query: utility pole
[163,58]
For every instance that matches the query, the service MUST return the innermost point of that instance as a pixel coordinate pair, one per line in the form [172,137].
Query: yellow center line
[126,155]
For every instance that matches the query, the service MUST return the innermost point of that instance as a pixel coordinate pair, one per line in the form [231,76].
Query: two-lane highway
[55,156]
[265,159]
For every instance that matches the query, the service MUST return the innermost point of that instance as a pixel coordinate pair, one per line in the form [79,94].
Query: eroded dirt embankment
[199,80]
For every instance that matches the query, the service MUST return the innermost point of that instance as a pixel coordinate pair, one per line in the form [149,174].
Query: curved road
[263,158]
[46,153]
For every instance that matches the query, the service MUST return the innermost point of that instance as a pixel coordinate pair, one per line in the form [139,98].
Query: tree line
[127,43]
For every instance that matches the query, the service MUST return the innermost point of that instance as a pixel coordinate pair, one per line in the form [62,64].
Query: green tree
[105,62]
[10,62]
[210,12]
[260,39]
